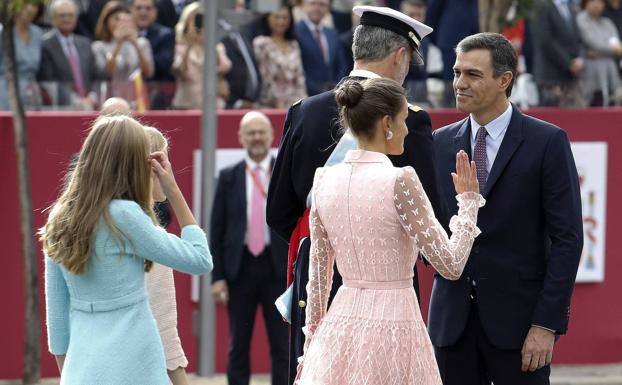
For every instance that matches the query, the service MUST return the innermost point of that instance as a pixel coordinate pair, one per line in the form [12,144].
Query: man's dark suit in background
[452,20]
[55,66]
[557,54]
[244,78]
[162,41]
[251,279]
[320,75]
[170,10]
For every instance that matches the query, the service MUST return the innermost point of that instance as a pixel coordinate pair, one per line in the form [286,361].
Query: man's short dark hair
[502,54]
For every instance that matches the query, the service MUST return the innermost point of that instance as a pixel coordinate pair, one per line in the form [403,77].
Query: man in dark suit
[162,42]
[249,263]
[385,45]
[88,15]
[170,10]
[499,321]
[320,47]
[244,78]
[67,60]
[416,80]
[557,53]
[452,21]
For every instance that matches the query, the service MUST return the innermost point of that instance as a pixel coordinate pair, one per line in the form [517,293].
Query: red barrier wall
[596,314]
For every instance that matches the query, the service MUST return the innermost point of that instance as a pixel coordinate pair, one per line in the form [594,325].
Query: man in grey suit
[67,61]
[557,53]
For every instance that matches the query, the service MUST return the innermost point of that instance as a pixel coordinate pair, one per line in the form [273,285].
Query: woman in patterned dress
[373,219]
[279,61]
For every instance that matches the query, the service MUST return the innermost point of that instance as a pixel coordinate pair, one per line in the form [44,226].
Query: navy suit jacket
[162,41]
[320,76]
[228,228]
[452,20]
[525,260]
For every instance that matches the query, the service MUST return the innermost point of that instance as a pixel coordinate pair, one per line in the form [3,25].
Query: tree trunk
[32,329]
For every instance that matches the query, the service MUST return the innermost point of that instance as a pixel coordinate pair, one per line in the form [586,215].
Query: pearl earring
[389,135]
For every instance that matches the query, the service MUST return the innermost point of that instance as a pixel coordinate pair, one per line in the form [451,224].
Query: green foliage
[10,8]
[523,11]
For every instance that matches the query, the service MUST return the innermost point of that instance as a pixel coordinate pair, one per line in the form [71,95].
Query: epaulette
[414,107]
[297,102]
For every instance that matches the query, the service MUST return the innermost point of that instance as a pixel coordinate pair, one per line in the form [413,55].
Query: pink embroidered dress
[372,219]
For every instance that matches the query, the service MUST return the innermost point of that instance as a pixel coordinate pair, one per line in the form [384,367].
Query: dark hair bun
[349,94]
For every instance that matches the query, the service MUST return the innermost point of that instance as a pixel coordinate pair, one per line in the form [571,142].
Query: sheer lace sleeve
[321,262]
[447,255]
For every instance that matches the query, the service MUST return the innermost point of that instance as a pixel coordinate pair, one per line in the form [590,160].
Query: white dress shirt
[496,132]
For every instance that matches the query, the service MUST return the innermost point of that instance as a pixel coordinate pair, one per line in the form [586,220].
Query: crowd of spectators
[73,54]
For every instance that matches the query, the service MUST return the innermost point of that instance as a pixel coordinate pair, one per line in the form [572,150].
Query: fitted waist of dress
[378,285]
[110,304]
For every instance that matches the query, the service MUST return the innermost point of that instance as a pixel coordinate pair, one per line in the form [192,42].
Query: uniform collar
[362,156]
[364,74]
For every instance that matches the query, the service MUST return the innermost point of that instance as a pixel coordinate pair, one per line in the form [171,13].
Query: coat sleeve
[447,255]
[218,227]
[282,207]
[56,308]
[188,253]
[321,261]
[419,154]
[561,202]
[164,52]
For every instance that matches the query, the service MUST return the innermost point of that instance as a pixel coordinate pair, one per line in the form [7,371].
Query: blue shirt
[496,130]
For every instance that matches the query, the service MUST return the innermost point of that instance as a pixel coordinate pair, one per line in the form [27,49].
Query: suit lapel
[240,178]
[462,140]
[58,48]
[511,141]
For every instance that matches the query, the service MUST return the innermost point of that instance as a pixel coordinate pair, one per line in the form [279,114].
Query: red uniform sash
[301,231]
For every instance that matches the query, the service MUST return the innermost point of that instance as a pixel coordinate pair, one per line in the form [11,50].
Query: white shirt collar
[364,74]
[311,25]
[64,39]
[495,127]
[264,164]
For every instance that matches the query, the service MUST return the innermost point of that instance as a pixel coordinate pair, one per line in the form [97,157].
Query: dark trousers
[474,360]
[255,285]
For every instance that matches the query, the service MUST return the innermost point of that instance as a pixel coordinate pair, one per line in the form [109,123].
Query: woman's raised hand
[465,177]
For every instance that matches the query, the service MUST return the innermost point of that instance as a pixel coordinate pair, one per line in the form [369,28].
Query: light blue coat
[101,319]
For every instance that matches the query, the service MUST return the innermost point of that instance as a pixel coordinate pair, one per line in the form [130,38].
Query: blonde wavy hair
[113,164]
[181,28]
[157,140]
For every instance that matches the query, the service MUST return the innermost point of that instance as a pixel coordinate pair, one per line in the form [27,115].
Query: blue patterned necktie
[481,159]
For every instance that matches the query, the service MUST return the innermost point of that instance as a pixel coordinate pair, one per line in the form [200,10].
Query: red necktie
[320,43]
[76,72]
